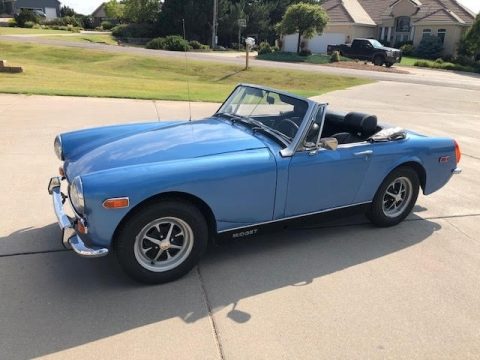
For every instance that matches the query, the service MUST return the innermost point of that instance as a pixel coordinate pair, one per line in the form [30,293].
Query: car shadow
[55,301]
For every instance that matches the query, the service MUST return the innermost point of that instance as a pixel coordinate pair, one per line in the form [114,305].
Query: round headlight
[57,146]
[76,195]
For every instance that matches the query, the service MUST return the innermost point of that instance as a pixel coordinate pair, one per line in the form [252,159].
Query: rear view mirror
[329,143]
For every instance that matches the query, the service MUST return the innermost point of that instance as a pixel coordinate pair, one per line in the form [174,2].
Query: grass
[445,65]
[50,70]
[91,38]
[293,57]
[23,31]
[409,61]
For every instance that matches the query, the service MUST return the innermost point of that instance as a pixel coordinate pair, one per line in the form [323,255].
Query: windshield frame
[312,109]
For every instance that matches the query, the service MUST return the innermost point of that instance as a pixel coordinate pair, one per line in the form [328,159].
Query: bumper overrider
[71,239]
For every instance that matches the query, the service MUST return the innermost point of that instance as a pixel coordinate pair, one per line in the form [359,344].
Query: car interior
[347,129]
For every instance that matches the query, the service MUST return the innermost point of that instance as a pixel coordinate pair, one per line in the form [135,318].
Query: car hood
[179,141]
[390,49]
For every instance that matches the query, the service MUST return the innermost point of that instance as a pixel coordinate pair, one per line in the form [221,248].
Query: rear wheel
[378,60]
[395,197]
[162,242]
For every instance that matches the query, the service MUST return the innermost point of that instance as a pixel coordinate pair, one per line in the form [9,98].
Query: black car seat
[358,128]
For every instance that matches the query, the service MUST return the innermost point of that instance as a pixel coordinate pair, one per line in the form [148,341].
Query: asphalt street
[342,289]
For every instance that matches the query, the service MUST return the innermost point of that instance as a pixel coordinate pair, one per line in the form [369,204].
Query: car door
[326,179]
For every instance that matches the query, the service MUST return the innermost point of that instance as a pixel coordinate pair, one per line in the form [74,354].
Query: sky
[87,6]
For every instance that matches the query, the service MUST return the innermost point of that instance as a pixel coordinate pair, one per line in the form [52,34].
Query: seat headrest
[363,123]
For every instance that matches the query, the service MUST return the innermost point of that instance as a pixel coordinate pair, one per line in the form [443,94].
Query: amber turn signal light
[116,203]
[458,154]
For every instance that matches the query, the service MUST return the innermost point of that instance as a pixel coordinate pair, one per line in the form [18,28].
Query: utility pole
[214,25]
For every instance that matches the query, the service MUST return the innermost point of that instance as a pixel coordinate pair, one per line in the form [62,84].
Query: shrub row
[175,43]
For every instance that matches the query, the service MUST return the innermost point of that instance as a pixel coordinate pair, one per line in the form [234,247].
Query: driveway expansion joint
[210,314]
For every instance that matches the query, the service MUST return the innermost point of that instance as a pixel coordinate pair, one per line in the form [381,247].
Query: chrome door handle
[364,153]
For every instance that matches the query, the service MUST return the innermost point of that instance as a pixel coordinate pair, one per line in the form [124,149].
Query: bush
[176,43]
[64,28]
[157,44]
[439,61]
[407,49]
[465,60]
[29,24]
[107,25]
[429,48]
[335,56]
[85,21]
[134,31]
[305,52]
[25,16]
[195,45]
[64,21]
[12,23]
[264,48]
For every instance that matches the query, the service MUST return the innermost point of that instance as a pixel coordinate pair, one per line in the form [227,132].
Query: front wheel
[388,65]
[378,60]
[395,198]
[162,242]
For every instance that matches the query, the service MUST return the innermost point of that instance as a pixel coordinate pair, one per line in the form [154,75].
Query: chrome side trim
[456,171]
[295,216]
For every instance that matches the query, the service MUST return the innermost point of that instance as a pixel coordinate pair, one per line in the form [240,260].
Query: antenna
[186,73]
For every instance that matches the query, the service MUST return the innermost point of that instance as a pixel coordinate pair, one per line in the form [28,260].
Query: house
[99,15]
[51,8]
[392,22]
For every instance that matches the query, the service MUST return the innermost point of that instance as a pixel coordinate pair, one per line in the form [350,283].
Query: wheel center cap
[164,245]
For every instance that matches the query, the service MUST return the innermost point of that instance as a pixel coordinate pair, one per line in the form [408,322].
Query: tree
[470,43]
[141,11]
[430,47]
[306,19]
[66,11]
[114,10]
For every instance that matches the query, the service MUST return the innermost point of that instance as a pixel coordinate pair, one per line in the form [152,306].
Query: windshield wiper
[259,126]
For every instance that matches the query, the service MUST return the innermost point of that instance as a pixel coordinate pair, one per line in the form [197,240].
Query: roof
[374,12]
[347,11]
[100,7]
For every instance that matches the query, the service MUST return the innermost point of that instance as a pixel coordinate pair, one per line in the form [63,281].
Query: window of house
[441,34]
[403,24]
[426,32]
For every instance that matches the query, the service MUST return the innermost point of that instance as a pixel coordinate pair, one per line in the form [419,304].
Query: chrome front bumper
[456,171]
[67,224]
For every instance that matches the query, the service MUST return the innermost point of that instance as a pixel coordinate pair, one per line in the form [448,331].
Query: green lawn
[91,38]
[293,57]
[22,31]
[409,61]
[80,72]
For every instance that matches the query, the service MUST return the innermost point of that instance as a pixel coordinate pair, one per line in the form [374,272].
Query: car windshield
[277,114]
[376,44]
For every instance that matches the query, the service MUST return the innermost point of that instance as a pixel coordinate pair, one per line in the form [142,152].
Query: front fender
[238,187]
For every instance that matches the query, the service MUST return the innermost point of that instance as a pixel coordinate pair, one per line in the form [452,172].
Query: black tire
[130,251]
[378,60]
[388,65]
[382,217]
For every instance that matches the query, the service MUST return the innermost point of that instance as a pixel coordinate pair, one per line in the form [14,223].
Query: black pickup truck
[368,49]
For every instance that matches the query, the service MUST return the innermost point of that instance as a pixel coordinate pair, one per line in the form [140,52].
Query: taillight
[458,154]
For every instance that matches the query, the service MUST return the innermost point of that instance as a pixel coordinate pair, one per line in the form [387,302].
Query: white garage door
[51,13]
[318,44]
[290,42]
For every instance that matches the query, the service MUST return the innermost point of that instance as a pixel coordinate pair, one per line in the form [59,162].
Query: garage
[317,44]
[51,13]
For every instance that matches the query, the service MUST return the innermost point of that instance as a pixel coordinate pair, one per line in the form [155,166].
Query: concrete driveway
[337,290]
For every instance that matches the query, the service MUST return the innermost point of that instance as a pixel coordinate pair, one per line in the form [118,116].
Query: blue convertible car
[156,193]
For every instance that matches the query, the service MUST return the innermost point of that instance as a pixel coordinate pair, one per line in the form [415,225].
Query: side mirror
[329,143]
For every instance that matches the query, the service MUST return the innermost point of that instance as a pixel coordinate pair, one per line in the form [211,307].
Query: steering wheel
[288,127]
